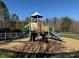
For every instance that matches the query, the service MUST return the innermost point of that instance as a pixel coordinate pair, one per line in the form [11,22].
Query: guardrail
[9,35]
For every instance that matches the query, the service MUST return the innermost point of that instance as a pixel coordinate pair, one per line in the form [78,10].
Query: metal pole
[42,25]
[30,28]
[48,27]
[38,28]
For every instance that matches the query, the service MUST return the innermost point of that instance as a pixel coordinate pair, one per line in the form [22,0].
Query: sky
[47,8]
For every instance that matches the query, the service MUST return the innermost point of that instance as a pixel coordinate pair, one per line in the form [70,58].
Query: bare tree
[14,21]
[66,24]
[75,27]
[4,15]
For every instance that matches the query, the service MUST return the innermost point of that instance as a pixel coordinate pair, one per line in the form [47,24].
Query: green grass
[70,35]
[74,56]
[7,55]
[67,33]
[11,55]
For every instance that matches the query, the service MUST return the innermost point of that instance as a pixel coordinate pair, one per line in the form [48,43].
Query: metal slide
[26,30]
[55,34]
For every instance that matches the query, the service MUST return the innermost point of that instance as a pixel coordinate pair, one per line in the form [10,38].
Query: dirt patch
[71,44]
[52,46]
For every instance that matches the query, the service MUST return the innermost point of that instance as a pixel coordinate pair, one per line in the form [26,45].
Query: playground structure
[35,26]
[34,29]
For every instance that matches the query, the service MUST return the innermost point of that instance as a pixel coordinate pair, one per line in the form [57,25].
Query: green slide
[55,34]
[26,29]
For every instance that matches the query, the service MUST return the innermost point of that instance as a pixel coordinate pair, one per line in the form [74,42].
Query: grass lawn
[70,35]
[7,55]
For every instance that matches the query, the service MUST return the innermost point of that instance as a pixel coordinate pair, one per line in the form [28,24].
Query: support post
[42,26]
[16,35]
[48,28]
[38,28]
[30,28]
[5,36]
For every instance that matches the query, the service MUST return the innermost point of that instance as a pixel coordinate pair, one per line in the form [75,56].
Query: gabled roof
[36,14]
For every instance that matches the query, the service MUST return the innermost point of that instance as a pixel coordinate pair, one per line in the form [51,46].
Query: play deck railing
[9,35]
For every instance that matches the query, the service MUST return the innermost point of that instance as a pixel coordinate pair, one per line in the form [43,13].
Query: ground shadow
[18,54]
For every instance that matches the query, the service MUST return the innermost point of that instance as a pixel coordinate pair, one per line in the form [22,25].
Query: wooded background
[63,24]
